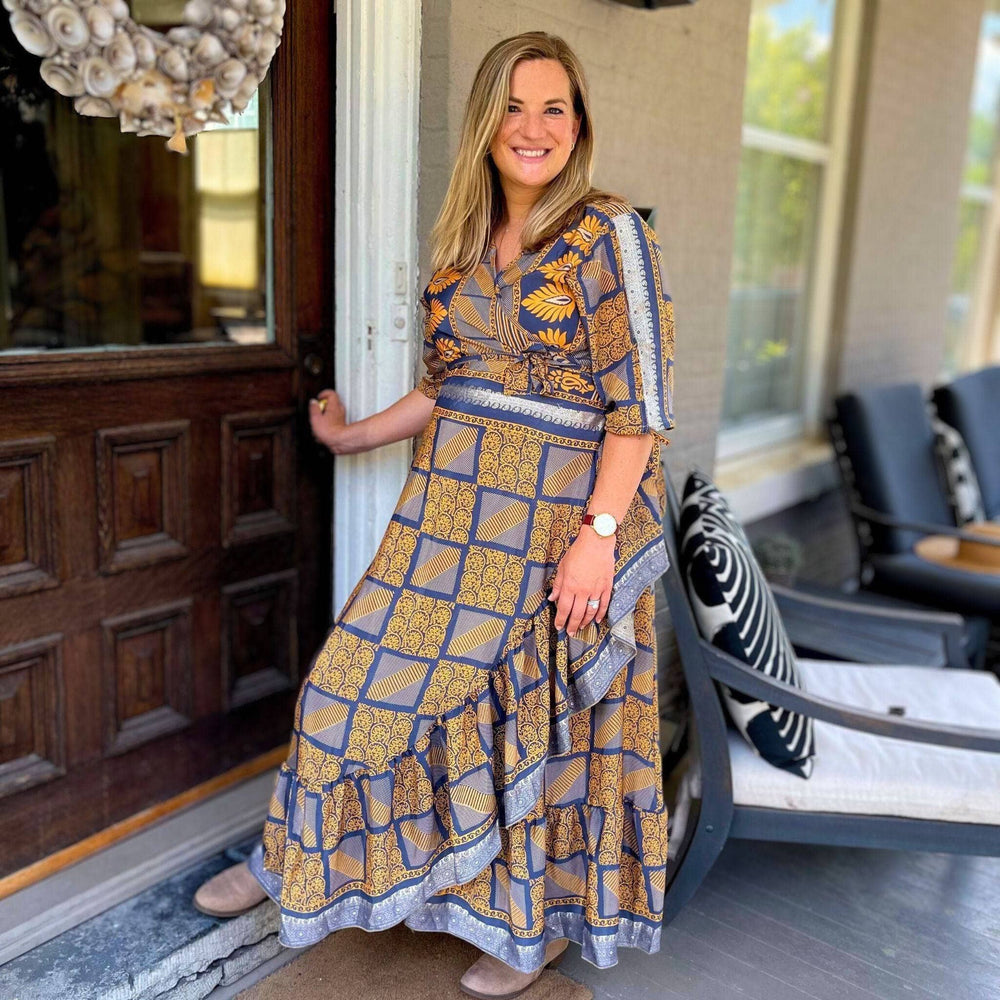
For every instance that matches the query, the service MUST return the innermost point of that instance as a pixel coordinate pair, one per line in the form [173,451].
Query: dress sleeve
[631,328]
[434,363]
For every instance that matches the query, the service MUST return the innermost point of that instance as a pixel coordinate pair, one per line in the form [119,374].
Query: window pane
[768,306]
[788,66]
[984,123]
[110,240]
[979,182]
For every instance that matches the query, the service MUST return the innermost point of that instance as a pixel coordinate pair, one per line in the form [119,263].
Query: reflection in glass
[788,66]
[768,306]
[110,240]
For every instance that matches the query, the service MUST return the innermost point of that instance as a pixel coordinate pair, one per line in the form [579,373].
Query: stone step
[154,946]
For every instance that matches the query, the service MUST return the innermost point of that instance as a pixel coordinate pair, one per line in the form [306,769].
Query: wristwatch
[604,524]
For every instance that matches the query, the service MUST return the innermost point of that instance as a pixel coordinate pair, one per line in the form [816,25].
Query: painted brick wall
[667,92]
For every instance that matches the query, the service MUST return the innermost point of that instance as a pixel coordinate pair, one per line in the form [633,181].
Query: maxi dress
[457,762]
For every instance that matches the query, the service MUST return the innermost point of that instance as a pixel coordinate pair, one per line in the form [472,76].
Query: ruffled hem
[371,849]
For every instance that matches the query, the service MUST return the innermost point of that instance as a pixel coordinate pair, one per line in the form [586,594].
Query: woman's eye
[558,111]
[511,108]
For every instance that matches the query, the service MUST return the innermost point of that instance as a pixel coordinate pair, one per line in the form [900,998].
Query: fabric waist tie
[529,373]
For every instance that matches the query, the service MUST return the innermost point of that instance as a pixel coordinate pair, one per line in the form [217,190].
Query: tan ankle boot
[230,893]
[490,979]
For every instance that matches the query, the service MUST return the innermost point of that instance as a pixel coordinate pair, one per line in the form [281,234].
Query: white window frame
[832,156]
[981,344]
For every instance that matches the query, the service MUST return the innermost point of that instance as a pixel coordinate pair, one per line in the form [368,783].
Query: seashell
[99,79]
[244,92]
[185,36]
[173,62]
[94,107]
[101,24]
[32,34]
[198,12]
[121,54]
[145,51]
[146,96]
[68,28]
[239,5]
[229,76]
[247,39]
[262,8]
[209,51]
[10,5]
[60,78]
[117,8]
[267,45]
[229,20]
[202,94]
[38,7]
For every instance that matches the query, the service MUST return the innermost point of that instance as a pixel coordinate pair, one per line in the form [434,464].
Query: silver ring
[593,604]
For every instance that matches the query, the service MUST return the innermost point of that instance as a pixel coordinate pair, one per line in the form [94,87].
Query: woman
[474,752]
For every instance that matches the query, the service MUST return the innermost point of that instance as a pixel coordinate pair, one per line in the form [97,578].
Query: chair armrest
[924,527]
[740,677]
[849,627]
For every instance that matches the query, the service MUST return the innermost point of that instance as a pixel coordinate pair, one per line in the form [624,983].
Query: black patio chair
[971,404]
[884,444]
[725,804]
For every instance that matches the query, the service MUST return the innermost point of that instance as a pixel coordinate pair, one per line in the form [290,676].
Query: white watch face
[605,524]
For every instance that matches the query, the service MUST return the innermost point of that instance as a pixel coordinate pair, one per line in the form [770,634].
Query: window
[795,118]
[110,240]
[970,338]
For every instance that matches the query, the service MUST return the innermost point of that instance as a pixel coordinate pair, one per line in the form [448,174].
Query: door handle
[313,364]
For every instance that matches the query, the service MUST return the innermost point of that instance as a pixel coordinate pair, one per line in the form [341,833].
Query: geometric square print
[567,473]
[476,636]
[368,611]
[397,681]
[501,520]
[436,566]
[411,499]
[456,449]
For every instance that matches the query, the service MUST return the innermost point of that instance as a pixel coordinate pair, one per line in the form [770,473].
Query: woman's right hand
[328,426]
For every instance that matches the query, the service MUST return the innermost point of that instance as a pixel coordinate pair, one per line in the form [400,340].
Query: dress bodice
[585,319]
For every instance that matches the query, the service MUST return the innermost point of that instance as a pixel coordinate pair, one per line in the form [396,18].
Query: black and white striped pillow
[736,612]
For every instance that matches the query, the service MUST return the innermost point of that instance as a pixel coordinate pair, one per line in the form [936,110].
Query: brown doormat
[395,964]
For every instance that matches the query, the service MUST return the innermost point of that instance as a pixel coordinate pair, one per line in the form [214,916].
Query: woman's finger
[602,611]
[564,607]
[577,614]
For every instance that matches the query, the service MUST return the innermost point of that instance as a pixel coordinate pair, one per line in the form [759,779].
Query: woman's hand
[586,571]
[328,426]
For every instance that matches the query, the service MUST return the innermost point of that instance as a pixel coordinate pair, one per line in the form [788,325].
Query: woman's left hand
[585,572]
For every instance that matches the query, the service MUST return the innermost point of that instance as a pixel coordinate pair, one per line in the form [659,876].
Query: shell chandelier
[169,84]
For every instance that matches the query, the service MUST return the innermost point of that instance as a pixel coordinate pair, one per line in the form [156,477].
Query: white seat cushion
[876,775]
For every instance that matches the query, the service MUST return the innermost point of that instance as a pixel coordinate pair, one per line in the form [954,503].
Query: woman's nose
[533,126]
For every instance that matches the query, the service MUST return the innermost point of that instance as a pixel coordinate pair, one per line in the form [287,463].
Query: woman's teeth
[533,154]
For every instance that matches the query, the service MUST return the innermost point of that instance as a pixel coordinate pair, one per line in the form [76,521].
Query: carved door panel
[164,512]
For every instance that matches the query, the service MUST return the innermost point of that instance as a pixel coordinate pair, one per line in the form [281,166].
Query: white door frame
[375,260]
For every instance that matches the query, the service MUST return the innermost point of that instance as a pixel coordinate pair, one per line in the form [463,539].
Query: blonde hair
[474,203]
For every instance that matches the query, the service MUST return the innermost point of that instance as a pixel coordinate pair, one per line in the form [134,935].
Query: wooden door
[164,512]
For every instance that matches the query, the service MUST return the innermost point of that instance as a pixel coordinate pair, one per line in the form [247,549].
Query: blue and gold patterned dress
[457,763]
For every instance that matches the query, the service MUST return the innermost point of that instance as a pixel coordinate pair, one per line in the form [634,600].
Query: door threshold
[53,904]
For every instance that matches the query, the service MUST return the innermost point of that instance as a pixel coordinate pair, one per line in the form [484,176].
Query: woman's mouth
[531,155]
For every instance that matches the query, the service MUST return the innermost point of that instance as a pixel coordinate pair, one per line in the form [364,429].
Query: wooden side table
[961,554]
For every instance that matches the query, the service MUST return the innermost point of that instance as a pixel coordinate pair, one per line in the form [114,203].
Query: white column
[377,107]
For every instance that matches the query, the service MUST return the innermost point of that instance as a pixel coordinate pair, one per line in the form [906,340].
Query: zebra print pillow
[736,612]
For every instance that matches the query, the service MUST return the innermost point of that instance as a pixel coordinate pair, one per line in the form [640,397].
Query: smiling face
[537,133]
